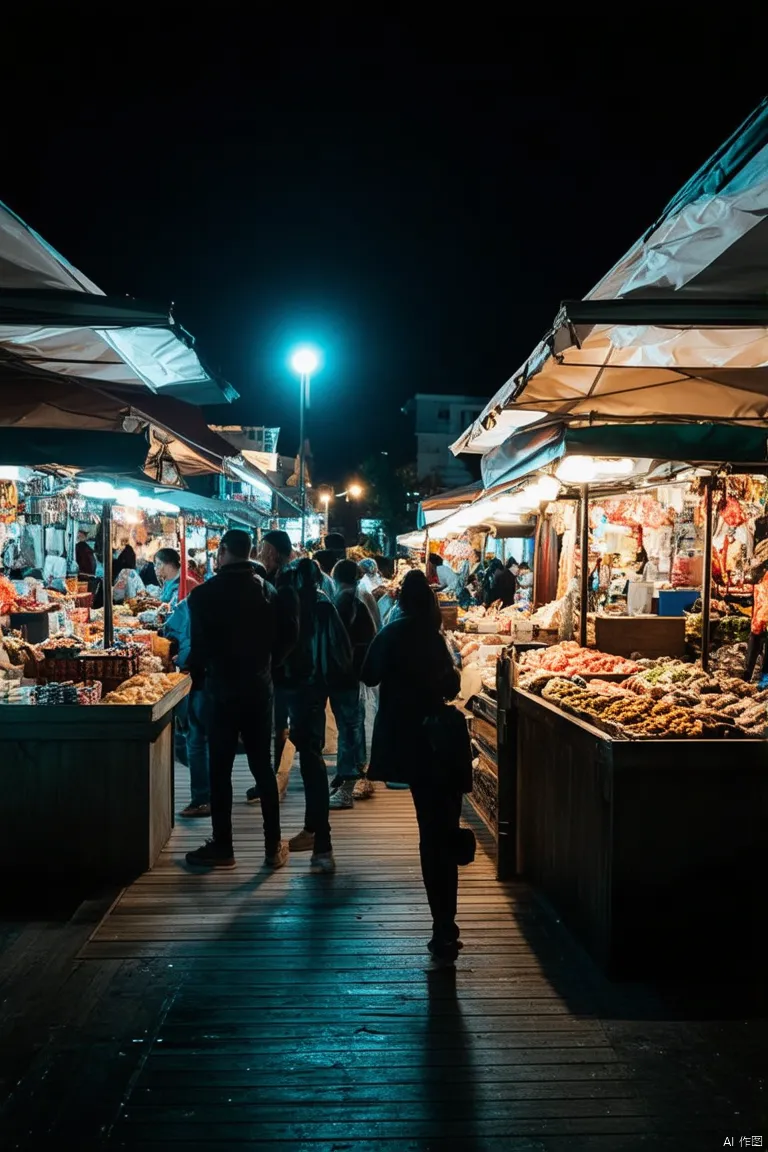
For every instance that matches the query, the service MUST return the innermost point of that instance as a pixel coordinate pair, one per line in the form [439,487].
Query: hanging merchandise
[732,513]
[9,502]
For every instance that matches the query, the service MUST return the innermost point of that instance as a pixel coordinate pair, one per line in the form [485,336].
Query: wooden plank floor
[291,1011]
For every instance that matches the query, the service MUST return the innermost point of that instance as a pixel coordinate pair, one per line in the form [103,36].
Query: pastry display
[146,688]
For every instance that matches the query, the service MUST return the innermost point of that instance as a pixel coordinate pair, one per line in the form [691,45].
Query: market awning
[677,330]
[55,320]
[434,508]
[534,449]
[174,438]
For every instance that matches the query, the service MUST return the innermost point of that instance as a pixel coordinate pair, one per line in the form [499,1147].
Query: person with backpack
[346,705]
[321,663]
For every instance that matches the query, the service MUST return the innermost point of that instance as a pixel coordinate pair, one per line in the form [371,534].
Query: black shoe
[252,796]
[211,856]
[444,951]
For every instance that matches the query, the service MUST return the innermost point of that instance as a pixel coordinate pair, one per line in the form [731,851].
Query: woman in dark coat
[410,660]
[500,584]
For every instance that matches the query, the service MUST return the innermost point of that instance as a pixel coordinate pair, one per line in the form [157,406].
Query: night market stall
[100,445]
[643,796]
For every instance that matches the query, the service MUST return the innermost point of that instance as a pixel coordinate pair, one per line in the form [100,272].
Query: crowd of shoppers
[272,643]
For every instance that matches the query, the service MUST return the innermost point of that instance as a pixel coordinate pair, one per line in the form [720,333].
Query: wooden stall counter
[87,790]
[652,851]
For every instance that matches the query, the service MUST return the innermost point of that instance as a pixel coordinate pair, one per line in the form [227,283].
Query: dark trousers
[250,716]
[755,649]
[305,706]
[438,812]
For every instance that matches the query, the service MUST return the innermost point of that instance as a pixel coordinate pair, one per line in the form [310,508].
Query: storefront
[87,693]
[606,717]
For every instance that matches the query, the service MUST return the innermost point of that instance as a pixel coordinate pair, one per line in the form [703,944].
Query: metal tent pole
[584,575]
[706,591]
[106,537]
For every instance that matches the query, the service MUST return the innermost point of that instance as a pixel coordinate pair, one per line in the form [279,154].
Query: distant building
[440,419]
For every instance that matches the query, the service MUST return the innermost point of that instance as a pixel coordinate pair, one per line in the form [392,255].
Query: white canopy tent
[54,318]
[677,330]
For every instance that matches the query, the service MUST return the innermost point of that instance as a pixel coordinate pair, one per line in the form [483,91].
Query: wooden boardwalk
[290,1011]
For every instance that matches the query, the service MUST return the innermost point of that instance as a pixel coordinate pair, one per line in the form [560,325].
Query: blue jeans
[305,705]
[192,740]
[348,712]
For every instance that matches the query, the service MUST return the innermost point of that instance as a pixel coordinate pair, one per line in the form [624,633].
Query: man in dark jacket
[84,555]
[276,552]
[237,634]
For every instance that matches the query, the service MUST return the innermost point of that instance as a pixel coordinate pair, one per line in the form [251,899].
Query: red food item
[733,513]
[571,660]
[8,597]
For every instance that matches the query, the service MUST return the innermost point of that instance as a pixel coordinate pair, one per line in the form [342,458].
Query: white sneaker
[342,797]
[302,842]
[364,789]
[322,862]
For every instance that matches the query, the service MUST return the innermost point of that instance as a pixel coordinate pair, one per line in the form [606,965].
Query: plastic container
[674,602]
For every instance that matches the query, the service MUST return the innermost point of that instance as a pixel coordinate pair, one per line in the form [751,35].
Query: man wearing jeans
[346,700]
[237,633]
[191,742]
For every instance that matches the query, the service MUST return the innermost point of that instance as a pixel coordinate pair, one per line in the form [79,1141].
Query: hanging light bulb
[621,467]
[576,470]
[545,490]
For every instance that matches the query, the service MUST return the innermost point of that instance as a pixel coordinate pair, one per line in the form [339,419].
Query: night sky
[415,202]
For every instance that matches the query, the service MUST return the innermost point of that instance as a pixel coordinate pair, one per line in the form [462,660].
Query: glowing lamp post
[304,362]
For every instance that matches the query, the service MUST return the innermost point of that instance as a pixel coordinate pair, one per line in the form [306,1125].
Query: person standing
[237,636]
[446,577]
[320,663]
[276,552]
[500,585]
[191,742]
[84,555]
[123,557]
[346,703]
[168,569]
[410,661]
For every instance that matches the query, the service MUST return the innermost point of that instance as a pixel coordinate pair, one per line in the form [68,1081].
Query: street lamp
[353,492]
[304,362]
[325,500]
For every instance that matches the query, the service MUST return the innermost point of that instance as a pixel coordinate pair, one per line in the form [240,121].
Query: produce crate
[54,669]
[636,842]
[110,670]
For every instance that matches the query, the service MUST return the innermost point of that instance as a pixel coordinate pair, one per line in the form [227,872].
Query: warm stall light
[621,467]
[154,505]
[96,490]
[548,489]
[585,469]
[576,470]
[128,497]
[9,472]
